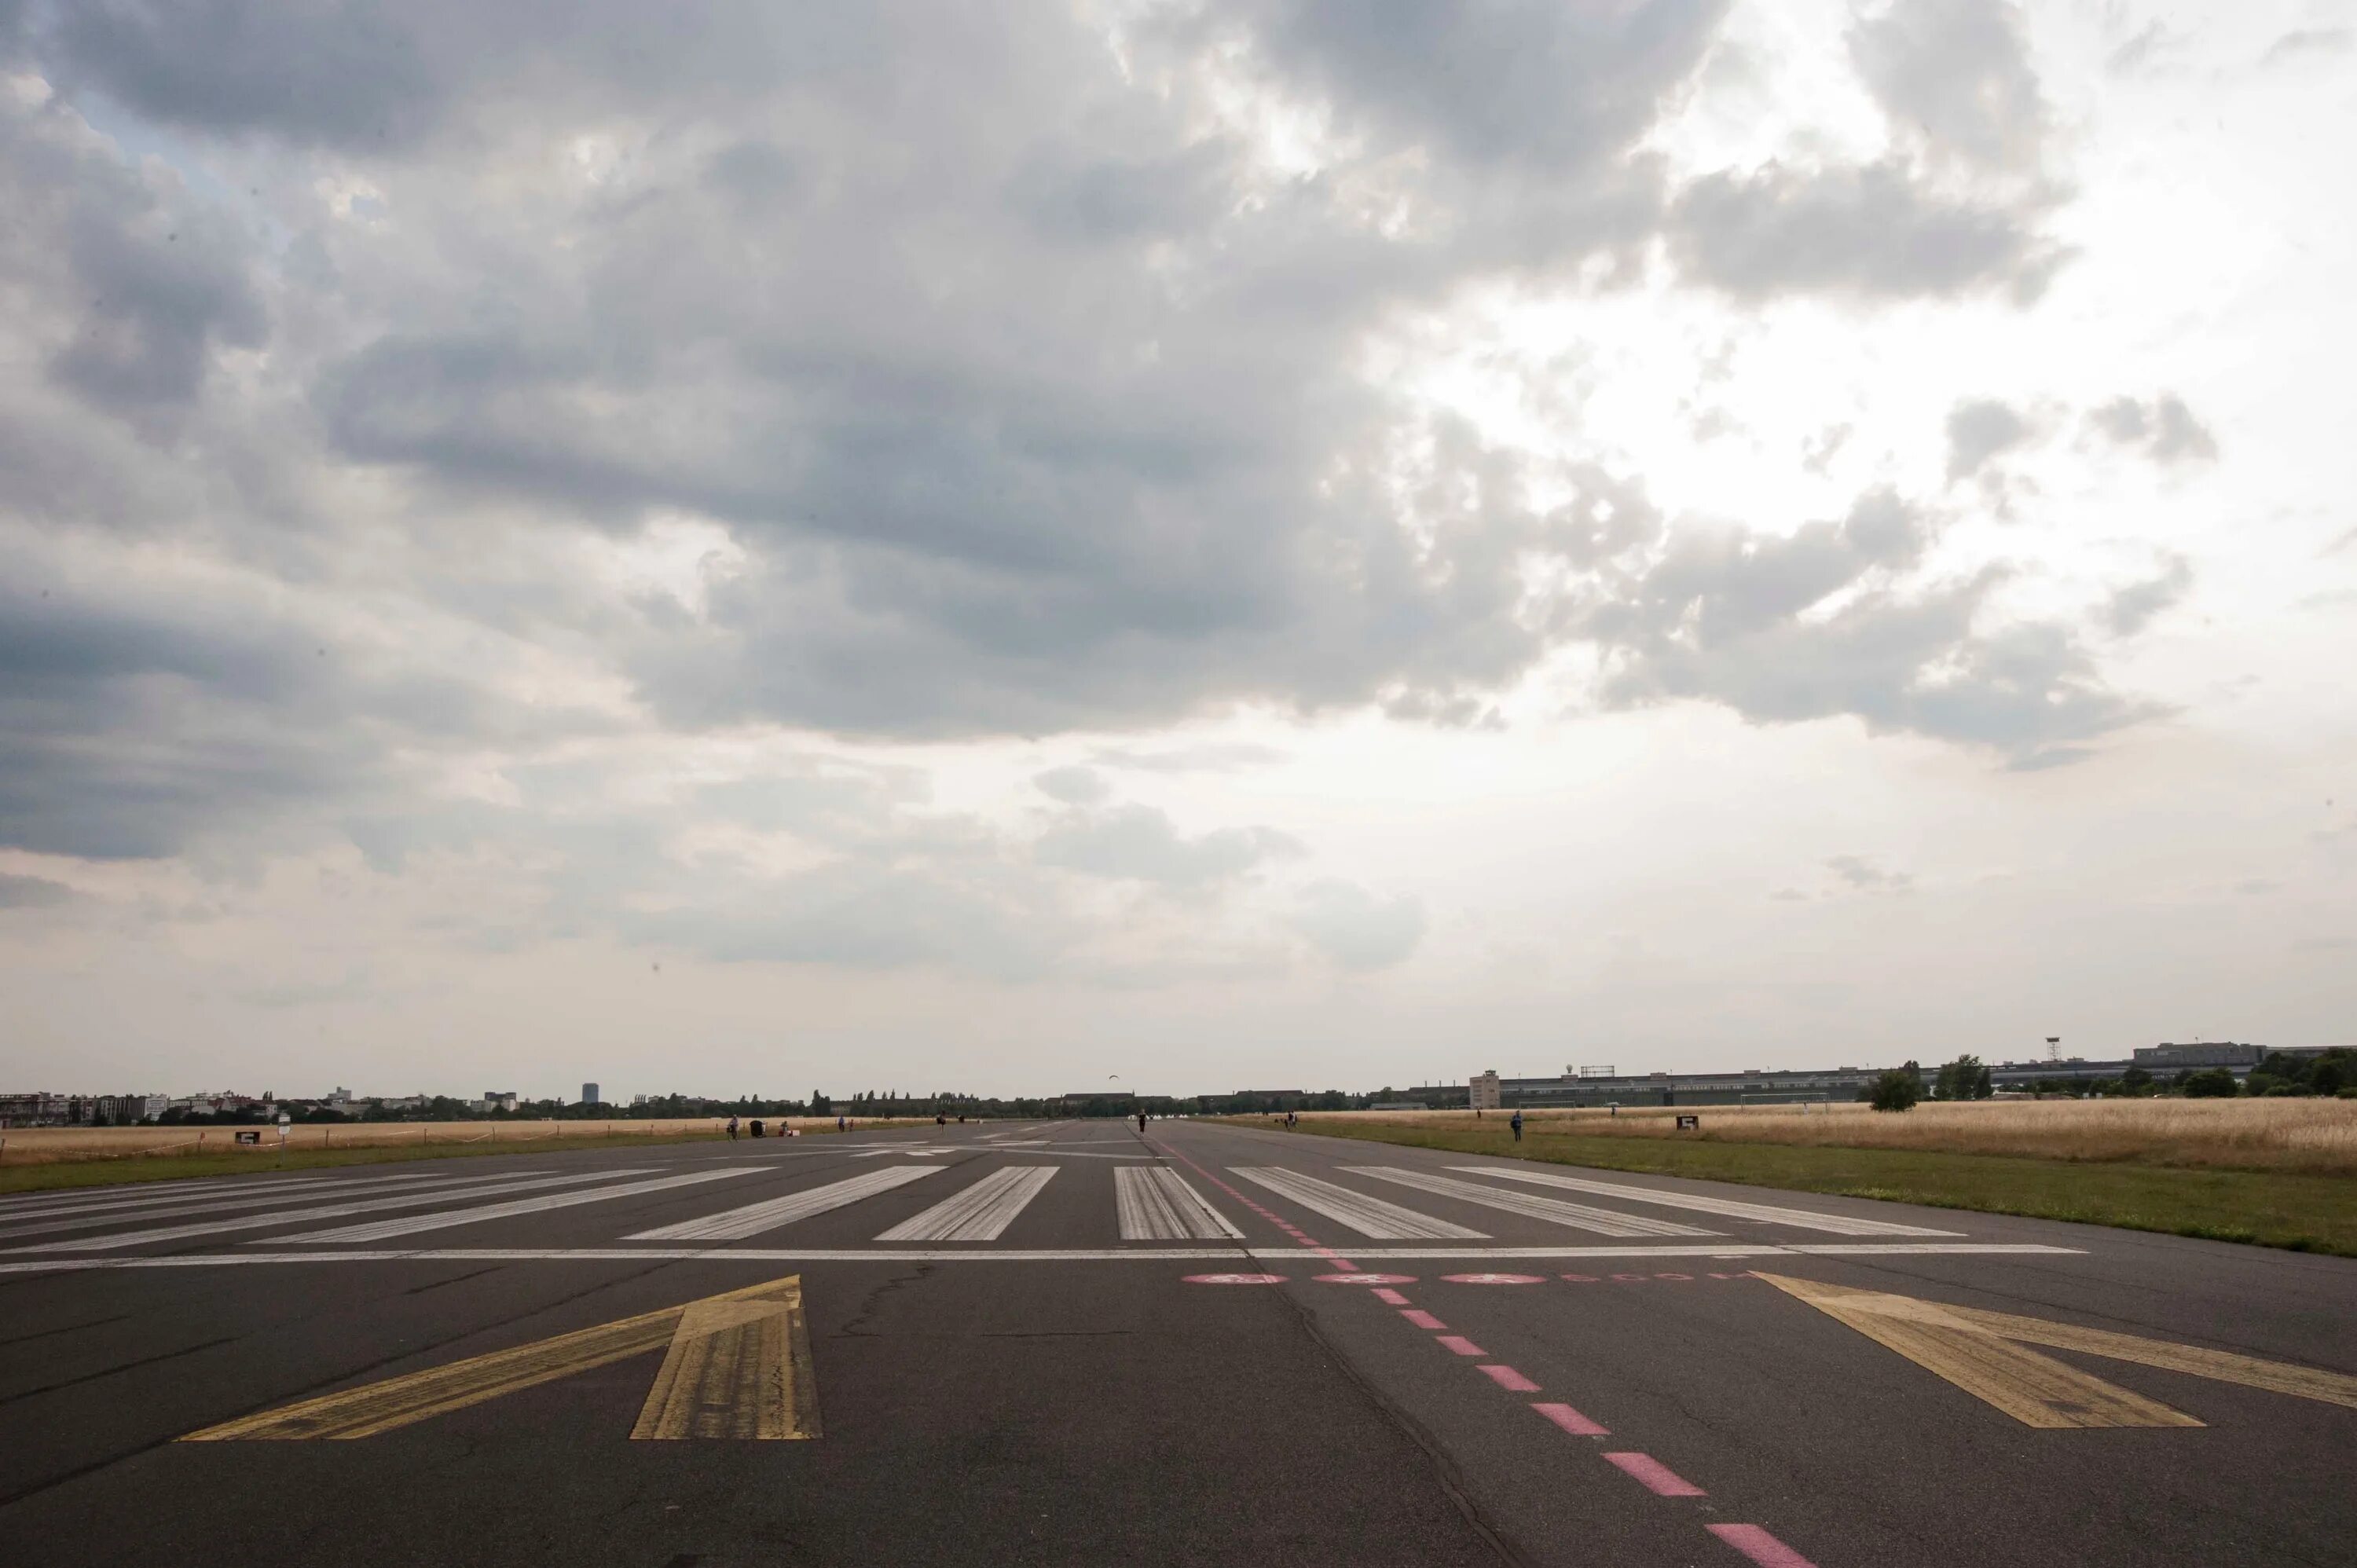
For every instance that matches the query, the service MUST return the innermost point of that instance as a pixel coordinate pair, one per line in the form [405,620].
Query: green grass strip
[2303,1213]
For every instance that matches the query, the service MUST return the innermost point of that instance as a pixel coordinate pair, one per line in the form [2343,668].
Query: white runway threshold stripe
[409,1224]
[91,1216]
[1267,1255]
[980,1212]
[1369,1217]
[183,1198]
[1761,1213]
[736,1224]
[407,1199]
[1154,1204]
[1579,1216]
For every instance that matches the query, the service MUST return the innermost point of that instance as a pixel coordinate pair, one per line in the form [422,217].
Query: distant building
[1398,1105]
[589,1094]
[499,1099]
[35,1110]
[637,1099]
[2218,1053]
[1485,1092]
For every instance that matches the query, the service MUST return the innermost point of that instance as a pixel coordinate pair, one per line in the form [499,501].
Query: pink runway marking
[1462,1346]
[1391,1298]
[1423,1319]
[1274,1218]
[1656,1477]
[1512,1382]
[1233,1280]
[1571,1421]
[1759,1546]
[1366,1279]
[1493,1279]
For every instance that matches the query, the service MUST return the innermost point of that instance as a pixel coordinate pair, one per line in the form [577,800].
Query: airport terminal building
[1600,1086]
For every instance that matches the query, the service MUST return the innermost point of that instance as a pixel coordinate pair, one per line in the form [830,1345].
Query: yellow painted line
[372,1408]
[1982,1352]
[735,1368]
[2037,1390]
[2220,1365]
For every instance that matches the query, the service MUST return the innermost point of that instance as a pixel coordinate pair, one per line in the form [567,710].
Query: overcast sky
[748,548]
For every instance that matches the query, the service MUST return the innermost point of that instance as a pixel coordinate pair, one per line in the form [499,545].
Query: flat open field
[36,1157]
[2318,1136]
[2275,1172]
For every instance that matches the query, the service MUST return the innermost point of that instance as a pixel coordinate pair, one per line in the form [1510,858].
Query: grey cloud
[1523,83]
[1875,230]
[147,283]
[1956,74]
[33,892]
[1141,843]
[1029,404]
[1866,876]
[1722,618]
[2132,608]
[1074,786]
[1979,430]
[2164,428]
[2303,41]
[1357,930]
[375,75]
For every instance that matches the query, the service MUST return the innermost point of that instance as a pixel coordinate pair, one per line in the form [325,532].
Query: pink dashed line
[1458,1343]
[1423,1319]
[1512,1382]
[1571,1421]
[1656,1477]
[1331,1256]
[1759,1546]
[1389,1297]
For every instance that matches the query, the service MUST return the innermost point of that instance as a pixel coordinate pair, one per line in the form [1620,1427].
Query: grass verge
[2303,1213]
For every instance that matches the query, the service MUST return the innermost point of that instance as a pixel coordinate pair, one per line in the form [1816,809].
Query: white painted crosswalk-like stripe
[144,1198]
[1579,1216]
[980,1212]
[736,1224]
[1764,1213]
[442,1219]
[1369,1217]
[1154,1204]
[89,1217]
[408,1199]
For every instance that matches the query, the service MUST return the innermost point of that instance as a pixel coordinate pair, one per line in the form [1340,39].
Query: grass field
[2280,1173]
[35,1158]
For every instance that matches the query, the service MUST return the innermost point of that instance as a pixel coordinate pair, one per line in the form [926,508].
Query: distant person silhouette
[1517,1125]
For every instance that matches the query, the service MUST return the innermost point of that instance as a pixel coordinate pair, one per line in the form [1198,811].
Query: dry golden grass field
[2313,1136]
[53,1145]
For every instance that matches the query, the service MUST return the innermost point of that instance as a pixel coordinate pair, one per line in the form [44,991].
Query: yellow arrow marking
[735,1368]
[772,1311]
[1984,1354]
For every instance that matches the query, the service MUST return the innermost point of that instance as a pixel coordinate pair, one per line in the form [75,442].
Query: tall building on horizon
[589,1094]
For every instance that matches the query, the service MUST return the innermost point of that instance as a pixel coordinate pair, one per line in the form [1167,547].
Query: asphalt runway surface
[1068,1342]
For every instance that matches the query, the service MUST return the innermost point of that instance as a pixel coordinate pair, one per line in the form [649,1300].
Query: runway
[1068,1342]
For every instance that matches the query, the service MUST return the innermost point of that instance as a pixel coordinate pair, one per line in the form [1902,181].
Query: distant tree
[2136,1081]
[1898,1089]
[1966,1078]
[2210,1083]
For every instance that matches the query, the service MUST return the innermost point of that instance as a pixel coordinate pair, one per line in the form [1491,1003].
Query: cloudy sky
[748,548]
